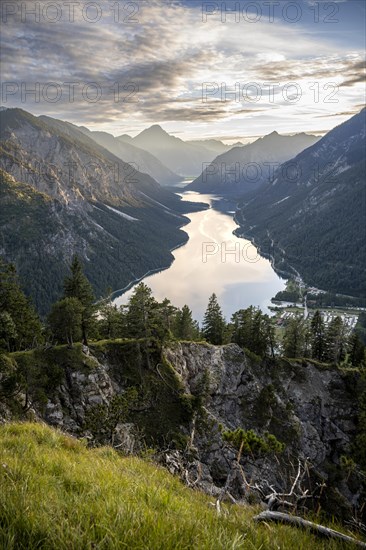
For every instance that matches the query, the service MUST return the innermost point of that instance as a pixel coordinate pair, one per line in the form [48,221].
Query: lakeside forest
[77,317]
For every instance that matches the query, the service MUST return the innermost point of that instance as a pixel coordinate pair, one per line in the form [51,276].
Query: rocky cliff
[193,394]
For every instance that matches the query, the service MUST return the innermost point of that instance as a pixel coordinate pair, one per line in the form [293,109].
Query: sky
[233,70]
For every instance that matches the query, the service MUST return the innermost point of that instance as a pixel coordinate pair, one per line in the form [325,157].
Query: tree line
[76,317]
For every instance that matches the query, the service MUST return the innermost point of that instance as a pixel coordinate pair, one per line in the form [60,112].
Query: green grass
[57,494]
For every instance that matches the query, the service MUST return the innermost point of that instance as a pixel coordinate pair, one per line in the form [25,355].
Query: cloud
[344,69]
[160,62]
[349,113]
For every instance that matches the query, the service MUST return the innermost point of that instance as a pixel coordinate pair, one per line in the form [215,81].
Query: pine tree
[307,350]
[294,338]
[142,315]
[356,350]
[166,314]
[253,330]
[143,319]
[242,322]
[185,328]
[270,336]
[78,286]
[20,314]
[259,334]
[65,320]
[214,322]
[110,324]
[8,332]
[336,340]
[318,344]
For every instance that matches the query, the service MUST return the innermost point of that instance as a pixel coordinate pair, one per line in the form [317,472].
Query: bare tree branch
[320,530]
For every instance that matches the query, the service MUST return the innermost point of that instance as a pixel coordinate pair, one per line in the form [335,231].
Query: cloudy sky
[192,66]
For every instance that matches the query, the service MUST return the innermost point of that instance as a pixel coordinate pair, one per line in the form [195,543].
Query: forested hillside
[65,194]
[245,169]
[312,216]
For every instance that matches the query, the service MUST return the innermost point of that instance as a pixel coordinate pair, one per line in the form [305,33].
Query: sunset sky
[123,66]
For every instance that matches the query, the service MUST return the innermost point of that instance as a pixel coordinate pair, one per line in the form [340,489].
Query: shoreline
[240,232]
[117,293]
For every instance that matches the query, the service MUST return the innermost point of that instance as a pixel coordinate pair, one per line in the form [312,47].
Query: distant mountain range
[64,194]
[66,190]
[214,145]
[185,158]
[244,169]
[142,160]
[313,215]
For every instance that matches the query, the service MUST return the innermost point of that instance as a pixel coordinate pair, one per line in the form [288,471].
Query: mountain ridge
[311,216]
[143,160]
[121,222]
[179,156]
[245,169]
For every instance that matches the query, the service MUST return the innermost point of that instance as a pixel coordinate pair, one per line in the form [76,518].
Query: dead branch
[225,491]
[274,498]
[320,530]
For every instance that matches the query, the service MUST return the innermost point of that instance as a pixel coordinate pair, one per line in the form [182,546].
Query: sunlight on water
[214,260]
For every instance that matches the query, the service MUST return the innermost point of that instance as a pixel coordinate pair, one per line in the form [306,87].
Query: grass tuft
[57,494]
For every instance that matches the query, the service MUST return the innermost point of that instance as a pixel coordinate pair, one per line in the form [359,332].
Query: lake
[214,260]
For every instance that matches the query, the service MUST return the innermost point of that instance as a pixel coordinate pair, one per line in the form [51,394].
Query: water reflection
[214,260]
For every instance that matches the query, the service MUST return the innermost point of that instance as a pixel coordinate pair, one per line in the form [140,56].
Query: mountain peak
[153,134]
[155,129]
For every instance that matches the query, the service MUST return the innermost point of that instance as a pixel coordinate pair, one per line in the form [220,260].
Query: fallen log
[320,530]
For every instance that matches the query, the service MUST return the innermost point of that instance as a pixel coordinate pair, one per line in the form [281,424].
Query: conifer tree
[141,317]
[110,324]
[214,322]
[317,330]
[77,286]
[356,350]
[335,340]
[166,313]
[185,328]
[8,332]
[270,336]
[21,326]
[253,330]
[294,338]
[242,322]
[259,334]
[65,320]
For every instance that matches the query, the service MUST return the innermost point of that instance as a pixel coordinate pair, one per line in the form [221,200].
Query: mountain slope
[302,403]
[125,138]
[131,503]
[244,169]
[214,145]
[142,160]
[79,198]
[184,158]
[313,214]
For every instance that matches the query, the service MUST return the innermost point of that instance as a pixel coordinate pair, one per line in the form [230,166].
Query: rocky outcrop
[309,407]
[199,391]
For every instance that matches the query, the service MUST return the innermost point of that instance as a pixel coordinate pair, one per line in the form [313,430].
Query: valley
[214,260]
[182,275]
[126,226]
